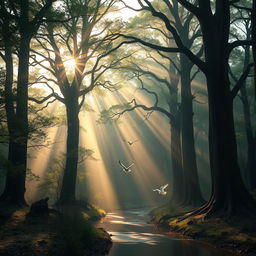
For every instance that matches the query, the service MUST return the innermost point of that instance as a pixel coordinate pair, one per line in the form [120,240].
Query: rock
[39,208]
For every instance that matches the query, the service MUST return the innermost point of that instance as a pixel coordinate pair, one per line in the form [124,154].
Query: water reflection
[133,236]
[131,222]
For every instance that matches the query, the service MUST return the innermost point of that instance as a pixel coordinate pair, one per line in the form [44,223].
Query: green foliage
[111,115]
[86,107]
[84,154]
[30,176]
[52,181]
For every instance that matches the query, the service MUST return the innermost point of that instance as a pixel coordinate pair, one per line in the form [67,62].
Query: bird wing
[123,166]
[164,186]
[130,165]
[156,190]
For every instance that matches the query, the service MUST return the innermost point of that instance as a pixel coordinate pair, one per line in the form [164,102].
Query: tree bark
[177,173]
[192,191]
[251,144]
[229,196]
[17,123]
[68,190]
[253,21]
[176,154]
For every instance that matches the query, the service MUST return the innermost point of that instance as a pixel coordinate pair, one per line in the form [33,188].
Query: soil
[21,235]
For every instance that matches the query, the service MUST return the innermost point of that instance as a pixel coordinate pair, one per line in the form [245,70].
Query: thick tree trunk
[177,173]
[253,20]
[18,128]
[251,145]
[229,195]
[176,154]
[192,191]
[68,190]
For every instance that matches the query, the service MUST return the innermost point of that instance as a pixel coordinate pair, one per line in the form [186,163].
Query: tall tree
[242,15]
[229,195]
[192,191]
[167,87]
[84,38]
[253,20]
[181,20]
[19,13]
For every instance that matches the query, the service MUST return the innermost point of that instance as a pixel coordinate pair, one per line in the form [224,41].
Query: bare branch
[241,81]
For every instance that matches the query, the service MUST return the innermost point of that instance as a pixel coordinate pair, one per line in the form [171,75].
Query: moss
[94,213]
[53,235]
[225,234]
[164,211]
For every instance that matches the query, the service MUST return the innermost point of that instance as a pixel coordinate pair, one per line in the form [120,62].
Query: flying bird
[161,190]
[126,169]
[131,142]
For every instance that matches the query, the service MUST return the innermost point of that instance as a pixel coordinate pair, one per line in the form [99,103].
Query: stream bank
[133,235]
[238,238]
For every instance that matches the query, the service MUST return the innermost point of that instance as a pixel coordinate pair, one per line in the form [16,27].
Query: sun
[70,63]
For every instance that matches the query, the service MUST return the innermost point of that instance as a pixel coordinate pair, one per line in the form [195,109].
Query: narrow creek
[133,236]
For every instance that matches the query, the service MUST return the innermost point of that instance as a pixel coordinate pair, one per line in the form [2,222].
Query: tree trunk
[176,155]
[68,190]
[177,175]
[253,20]
[192,191]
[251,145]
[229,195]
[18,127]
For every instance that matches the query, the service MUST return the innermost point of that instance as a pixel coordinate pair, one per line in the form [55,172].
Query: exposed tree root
[244,210]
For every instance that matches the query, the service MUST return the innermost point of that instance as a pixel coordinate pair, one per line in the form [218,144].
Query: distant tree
[165,95]
[243,25]
[182,132]
[189,32]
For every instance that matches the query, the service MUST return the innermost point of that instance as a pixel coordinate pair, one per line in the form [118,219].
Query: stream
[133,236]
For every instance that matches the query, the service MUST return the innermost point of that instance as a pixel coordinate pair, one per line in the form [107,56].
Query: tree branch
[241,81]
[238,43]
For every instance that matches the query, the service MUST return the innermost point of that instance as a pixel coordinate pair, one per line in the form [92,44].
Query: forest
[128,127]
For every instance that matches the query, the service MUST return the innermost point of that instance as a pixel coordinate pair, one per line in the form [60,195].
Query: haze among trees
[190,63]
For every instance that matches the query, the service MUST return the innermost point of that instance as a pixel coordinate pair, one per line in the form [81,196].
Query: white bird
[126,169]
[161,190]
[130,142]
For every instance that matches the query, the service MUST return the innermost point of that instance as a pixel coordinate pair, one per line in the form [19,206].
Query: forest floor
[55,234]
[239,238]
